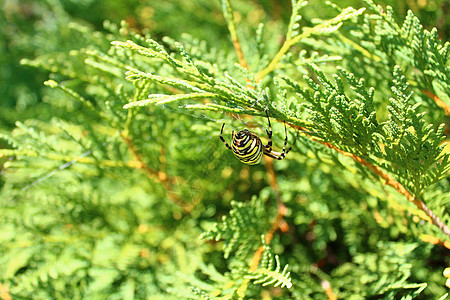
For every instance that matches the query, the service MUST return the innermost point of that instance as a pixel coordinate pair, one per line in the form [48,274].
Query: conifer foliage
[123,190]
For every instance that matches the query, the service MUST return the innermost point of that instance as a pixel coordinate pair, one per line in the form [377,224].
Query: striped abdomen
[247,147]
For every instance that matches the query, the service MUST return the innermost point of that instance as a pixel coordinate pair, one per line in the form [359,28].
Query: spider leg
[285,141]
[269,152]
[282,155]
[223,140]
[275,155]
[268,147]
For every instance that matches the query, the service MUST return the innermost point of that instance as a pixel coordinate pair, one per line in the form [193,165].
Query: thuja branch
[359,48]
[68,158]
[254,262]
[291,39]
[277,223]
[396,185]
[229,17]
[388,181]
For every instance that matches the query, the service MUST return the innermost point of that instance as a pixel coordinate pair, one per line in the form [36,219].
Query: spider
[248,147]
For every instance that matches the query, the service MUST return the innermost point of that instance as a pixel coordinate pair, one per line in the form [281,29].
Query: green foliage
[242,229]
[115,184]
[266,275]
[352,125]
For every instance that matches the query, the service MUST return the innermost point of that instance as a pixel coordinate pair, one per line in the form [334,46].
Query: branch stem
[157,176]
[276,59]
[279,221]
[288,43]
[359,48]
[326,285]
[396,185]
[229,17]
[4,293]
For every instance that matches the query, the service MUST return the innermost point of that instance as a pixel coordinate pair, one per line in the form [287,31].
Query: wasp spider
[248,147]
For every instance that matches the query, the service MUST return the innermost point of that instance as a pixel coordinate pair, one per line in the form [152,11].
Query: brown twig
[279,219]
[239,53]
[395,184]
[158,176]
[4,293]
[438,101]
[229,17]
[277,223]
[328,290]
[390,182]
[434,240]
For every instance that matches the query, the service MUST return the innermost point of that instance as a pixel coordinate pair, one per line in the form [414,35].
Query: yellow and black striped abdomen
[247,147]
